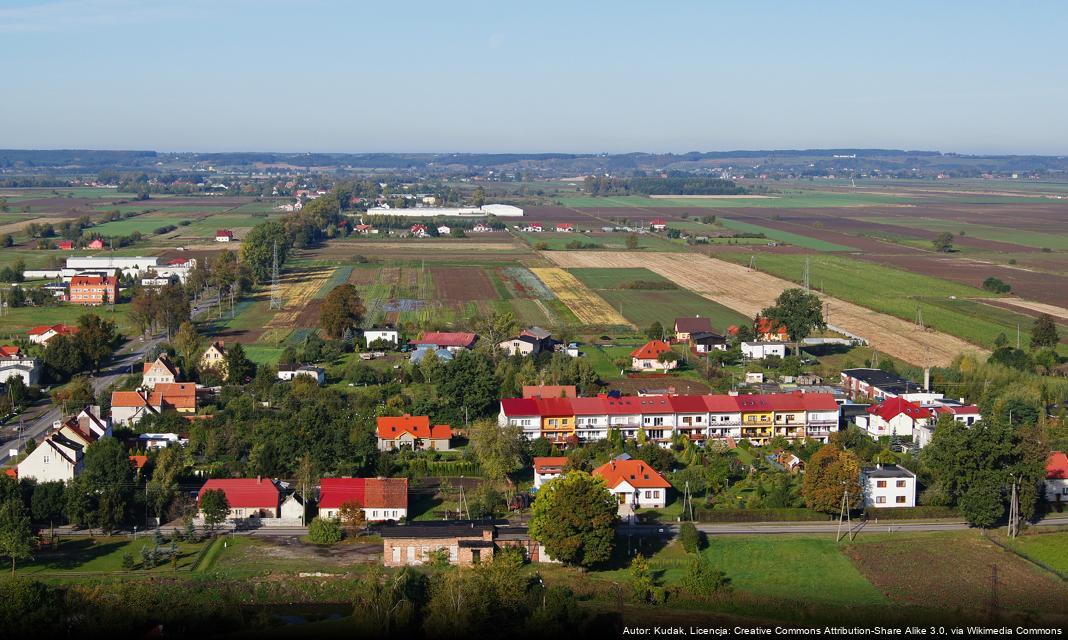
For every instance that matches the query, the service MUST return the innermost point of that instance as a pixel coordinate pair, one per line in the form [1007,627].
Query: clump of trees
[573,516]
[996,285]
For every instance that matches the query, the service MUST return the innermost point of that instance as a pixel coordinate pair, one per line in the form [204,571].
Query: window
[476,556]
[881,484]
[900,484]
[880,499]
[900,500]
[46,459]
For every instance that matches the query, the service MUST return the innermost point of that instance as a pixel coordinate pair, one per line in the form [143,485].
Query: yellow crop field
[587,306]
[298,290]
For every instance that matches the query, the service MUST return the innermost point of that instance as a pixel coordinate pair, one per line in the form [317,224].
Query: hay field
[587,306]
[748,292]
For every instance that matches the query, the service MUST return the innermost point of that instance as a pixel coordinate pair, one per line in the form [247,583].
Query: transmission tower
[805,276]
[276,292]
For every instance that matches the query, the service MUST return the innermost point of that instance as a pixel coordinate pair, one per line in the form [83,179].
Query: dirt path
[1057,312]
[748,292]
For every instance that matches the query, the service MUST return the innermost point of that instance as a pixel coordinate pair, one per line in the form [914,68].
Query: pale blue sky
[321,75]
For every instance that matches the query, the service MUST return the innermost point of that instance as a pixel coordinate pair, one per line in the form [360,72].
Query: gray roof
[888,471]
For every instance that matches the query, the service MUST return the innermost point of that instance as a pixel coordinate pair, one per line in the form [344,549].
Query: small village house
[214,357]
[647,357]
[548,468]
[162,370]
[686,326]
[413,432]
[763,349]
[249,498]
[381,334]
[287,372]
[382,499]
[465,543]
[888,486]
[1057,477]
[42,334]
[635,484]
[224,235]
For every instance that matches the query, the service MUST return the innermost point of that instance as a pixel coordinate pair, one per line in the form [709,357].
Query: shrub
[703,579]
[996,285]
[692,539]
[324,531]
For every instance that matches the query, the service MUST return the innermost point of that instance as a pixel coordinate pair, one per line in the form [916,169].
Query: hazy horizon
[325,76]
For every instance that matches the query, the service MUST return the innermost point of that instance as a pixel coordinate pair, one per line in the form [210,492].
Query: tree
[829,473]
[64,358]
[943,242]
[800,311]
[96,338]
[16,393]
[996,285]
[468,387]
[655,331]
[632,242]
[188,343]
[1044,333]
[496,327]
[644,583]
[500,450]
[172,307]
[573,516]
[342,309]
[258,247]
[983,502]
[16,535]
[352,517]
[75,395]
[478,197]
[214,507]
[324,531]
[239,369]
[47,503]
[162,488]
[691,539]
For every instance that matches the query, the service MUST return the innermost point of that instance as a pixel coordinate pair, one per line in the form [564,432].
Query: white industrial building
[499,210]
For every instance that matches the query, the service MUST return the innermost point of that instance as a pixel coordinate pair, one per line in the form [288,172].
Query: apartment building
[94,290]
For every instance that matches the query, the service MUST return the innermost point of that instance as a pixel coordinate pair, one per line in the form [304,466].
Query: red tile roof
[224,233]
[446,339]
[767,325]
[138,462]
[245,493]
[61,329]
[370,493]
[393,427]
[721,404]
[128,399]
[636,473]
[893,407]
[549,391]
[1057,466]
[688,404]
[550,464]
[179,395]
[553,407]
[8,351]
[657,221]
[650,350]
[519,407]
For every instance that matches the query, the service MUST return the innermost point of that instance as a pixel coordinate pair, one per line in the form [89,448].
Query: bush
[995,285]
[651,285]
[704,514]
[703,579]
[322,531]
[692,539]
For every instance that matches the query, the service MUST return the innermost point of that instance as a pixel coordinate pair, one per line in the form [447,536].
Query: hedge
[911,513]
[702,514]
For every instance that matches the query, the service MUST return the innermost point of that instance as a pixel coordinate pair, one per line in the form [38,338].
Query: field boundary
[1025,557]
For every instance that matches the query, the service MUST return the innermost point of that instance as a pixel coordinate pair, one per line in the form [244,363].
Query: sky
[546,76]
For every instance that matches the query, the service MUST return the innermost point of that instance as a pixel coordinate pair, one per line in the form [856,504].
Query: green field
[784,236]
[15,322]
[1050,549]
[104,554]
[642,307]
[1037,239]
[788,200]
[144,224]
[610,242]
[887,290]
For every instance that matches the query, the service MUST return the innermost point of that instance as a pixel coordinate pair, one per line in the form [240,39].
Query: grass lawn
[601,357]
[887,290]
[104,554]
[1048,548]
[263,354]
[609,242]
[17,321]
[795,239]
[145,224]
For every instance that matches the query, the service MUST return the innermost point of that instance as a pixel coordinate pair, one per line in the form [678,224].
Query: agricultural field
[886,290]
[749,291]
[1007,233]
[642,307]
[587,306]
[602,241]
[787,200]
[783,236]
[1051,549]
[17,321]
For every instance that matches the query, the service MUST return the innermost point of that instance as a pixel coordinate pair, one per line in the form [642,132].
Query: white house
[548,468]
[56,458]
[158,440]
[1057,477]
[888,486]
[894,416]
[293,508]
[634,483]
[19,366]
[382,499]
[761,350]
[287,372]
[381,334]
[160,371]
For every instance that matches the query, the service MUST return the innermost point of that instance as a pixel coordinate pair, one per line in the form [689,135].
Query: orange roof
[1057,466]
[636,473]
[128,399]
[180,395]
[163,362]
[61,329]
[138,462]
[393,427]
[550,464]
[8,351]
[650,350]
[549,391]
[767,325]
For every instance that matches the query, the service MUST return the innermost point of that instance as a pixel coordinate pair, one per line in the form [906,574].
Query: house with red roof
[160,371]
[658,224]
[9,351]
[96,244]
[768,330]
[43,333]
[413,432]
[224,235]
[564,227]
[635,484]
[453,341]
[895,416]
[65,245]
[255,498]
[647,357]
[420,231]
[1057,477]
[548,468]
[532,227]
[382,499]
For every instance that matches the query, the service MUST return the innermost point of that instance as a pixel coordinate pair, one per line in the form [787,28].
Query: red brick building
[94,290]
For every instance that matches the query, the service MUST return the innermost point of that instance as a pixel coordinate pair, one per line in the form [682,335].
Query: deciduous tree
[16,535]
[342,310]
[214,507]
[573,517]
[829,474]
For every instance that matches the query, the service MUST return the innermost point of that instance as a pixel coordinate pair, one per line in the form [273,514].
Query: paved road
[126,360]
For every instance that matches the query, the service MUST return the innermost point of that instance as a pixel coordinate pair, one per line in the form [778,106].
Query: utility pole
[276,293]
[1014,510]
[806,274]
[1017,335]
[843,517]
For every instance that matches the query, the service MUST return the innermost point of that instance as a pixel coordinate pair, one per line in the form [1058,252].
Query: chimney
[927,379]
[259,479]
